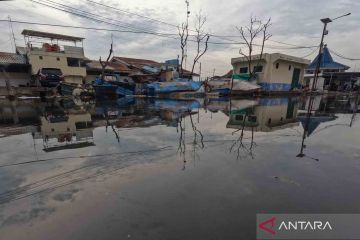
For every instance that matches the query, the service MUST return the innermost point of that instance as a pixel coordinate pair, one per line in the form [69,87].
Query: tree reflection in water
[198,138]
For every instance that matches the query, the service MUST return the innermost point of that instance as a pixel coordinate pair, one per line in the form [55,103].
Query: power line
[166,35]
[85,14]
[342,56]
[311,53]
[131,13]
[150,32]
[224,37]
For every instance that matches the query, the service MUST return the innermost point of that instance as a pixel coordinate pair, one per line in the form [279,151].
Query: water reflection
[66,145]
[317,110]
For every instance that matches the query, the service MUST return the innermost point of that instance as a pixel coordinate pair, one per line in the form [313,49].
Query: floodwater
[166,169]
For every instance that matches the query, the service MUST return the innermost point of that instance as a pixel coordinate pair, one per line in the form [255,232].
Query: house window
[40,57]
[73,62]
[252,119]
[258,69]
[277,65]
[243,70]
[239,117]
[58,59]
[289,67]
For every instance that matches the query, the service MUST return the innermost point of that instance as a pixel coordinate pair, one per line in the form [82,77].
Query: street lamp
[316,74]
[325,32]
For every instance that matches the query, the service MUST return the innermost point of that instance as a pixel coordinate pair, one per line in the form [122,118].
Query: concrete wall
[55,60]
[90,77]
[272,78]
[261,76]
[283,74]
[16,79]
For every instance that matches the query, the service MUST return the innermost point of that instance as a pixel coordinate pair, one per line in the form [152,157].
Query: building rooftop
[32,33]
[136,62]
[11,58]
[272,57]
[327,62]
[112,66]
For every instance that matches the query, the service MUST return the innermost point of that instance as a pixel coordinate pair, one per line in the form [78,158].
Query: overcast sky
[294,22]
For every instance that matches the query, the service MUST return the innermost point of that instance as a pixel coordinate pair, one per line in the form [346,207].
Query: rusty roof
[11,58]
[32,33]
[112,66]
[136,62]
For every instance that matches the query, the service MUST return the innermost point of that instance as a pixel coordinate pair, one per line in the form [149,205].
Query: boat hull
[175,86]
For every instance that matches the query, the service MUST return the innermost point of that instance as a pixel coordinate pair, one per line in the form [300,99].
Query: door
[295,78]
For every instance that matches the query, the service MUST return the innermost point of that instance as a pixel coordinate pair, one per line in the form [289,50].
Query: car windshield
[53,71]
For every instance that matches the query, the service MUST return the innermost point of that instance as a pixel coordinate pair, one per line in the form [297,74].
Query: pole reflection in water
[320,110]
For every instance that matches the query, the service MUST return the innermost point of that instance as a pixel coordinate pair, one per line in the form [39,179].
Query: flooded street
[141,168]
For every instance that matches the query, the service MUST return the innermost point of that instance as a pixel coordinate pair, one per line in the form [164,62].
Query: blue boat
[123,91]
[104,88]
[222,91]
[178,85]
[174,105]
[113,85]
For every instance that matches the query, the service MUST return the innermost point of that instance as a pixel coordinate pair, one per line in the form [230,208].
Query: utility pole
[12,33]
[316,74]
[187,27]
[325,21]
[200,71]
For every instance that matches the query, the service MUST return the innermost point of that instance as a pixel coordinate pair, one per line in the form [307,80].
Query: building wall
[283,74]
[272,78]
[55,60]
[16,79]
[90,77]
[261,76]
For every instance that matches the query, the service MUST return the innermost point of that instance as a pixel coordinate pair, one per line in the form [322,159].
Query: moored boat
[178,85]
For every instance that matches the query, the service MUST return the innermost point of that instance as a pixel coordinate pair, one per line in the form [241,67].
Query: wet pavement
[167,169]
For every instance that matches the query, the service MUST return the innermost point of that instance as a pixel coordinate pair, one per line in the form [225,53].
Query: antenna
[13,43]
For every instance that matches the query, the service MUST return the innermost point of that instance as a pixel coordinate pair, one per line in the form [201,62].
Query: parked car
[50,77]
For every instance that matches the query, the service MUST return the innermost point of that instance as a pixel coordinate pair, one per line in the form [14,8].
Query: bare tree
[104,64]
[184,35]
[249,34]
[265,37]
[200,37]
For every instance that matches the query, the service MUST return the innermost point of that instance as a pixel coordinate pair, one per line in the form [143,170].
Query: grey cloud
[294,21]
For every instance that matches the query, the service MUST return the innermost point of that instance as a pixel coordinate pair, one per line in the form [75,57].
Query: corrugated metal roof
[40,34]
[12,58]
[326,62]
[137,62]
[112,66]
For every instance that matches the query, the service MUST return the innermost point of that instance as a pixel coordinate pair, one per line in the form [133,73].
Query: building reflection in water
[263,115]
[69,124]
[65,129]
